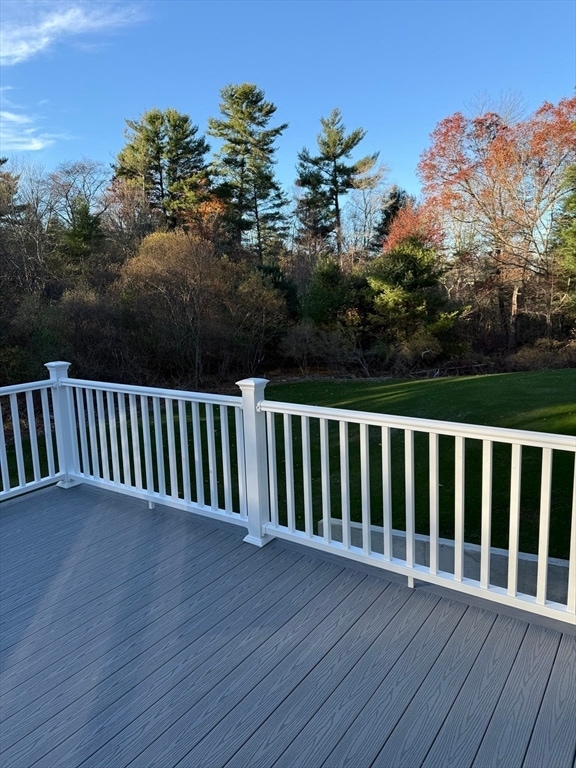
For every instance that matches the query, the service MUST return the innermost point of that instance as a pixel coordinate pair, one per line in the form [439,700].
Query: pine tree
[245,164]
[327,176]
[165,158]
[565,225]
[395,201]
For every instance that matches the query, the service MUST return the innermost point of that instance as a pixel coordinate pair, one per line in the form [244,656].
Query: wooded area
[177,266]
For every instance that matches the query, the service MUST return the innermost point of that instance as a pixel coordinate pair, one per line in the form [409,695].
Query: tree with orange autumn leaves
[414,222]
[498,189]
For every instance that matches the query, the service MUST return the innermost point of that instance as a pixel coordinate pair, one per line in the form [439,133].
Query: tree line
[185,267]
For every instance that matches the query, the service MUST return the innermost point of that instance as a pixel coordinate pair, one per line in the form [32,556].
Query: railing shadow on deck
[485,511]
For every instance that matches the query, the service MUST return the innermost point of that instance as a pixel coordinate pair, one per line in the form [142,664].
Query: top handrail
[129,389]
[172,394]
[481,432]
[31,386]
[501,434]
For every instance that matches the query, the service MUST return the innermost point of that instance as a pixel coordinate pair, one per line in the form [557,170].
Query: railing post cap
[58,368]
[251,383]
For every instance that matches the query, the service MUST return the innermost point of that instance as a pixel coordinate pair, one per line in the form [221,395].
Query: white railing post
[256,464]
[65,431]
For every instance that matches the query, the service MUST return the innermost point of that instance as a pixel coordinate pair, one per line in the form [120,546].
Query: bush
[543,355]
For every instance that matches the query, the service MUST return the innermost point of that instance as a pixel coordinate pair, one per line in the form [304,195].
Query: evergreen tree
[8,191]
[84,237]
[314,214]
[564,249]
[327,293]
[409,305]
[327,176]
[565,226]
[245,165]
[396,199]
[165,158]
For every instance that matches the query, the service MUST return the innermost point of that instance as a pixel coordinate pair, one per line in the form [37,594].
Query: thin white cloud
[29,28]
[19,132]
[32,27]
[12,117]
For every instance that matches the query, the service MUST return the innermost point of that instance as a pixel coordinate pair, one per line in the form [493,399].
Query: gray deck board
[99,613]
[510,727]
[412,736]
[382,711]
[357,696]
[553,740]
[136,637]
[96,549]
[200,702]
[463,729]
[124,579]
[139,545]
[113,644]
[331,645]
[144,647]
[70,589]
[297,718]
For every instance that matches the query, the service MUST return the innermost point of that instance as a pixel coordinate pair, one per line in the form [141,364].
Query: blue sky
[71,72]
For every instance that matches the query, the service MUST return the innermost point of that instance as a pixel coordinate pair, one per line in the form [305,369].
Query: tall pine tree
[327,176]
[245,165]
[164,156]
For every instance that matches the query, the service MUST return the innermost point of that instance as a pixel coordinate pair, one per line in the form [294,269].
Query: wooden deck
[157,638]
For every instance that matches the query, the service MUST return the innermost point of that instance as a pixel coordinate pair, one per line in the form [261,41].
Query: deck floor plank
[96,542]
[73,586]
[167,670]
[43,644]
[510,727]
[64,596]
[329,657]
[81,564]
[136,637]
[380,714]
[139,643]
[196,667]
[553,740]
[463,729]
[424,715]
[304,723]
[52,612]
[58,525]
[155,618]
[194,708]
[411,737]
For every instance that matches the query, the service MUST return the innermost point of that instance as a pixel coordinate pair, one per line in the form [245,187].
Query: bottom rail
[553,609]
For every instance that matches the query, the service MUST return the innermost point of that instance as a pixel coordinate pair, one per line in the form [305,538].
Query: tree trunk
[258,230]
[513,324]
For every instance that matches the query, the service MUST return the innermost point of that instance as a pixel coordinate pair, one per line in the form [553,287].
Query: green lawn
[540,401]
[544,401]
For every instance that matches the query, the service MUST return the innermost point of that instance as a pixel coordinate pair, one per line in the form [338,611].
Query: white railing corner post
[256,462]
[65,431]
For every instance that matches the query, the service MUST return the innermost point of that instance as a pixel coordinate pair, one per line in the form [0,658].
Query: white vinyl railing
[28,451]
[178,448]
[352,483]
[451,504]
[162,445]
[166,446]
